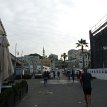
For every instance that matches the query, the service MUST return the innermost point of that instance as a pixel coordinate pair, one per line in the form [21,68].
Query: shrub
[11,96]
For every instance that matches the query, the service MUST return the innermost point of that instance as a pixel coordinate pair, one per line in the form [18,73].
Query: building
[33,62]
[73,54]
[54,61]
[86,60]
[75,58]
[98,44]
[46,62]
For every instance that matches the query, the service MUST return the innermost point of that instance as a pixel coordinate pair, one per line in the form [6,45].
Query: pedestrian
[54,74]
[48,74]
[68,74]
[80,77]
[58,74]
[73,75]
[45,77]
[86,85]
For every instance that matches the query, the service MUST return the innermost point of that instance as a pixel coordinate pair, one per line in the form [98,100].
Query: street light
[21,65]
[15,61]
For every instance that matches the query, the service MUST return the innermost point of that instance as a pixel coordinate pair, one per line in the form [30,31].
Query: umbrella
[6,68]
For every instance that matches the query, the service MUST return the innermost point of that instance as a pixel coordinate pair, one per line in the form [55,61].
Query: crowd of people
[83,76]
[46,76]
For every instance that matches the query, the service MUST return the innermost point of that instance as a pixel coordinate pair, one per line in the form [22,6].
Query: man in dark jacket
[73,75]
[45,77]
[86,85]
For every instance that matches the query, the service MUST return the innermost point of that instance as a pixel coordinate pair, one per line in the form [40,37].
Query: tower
[43,52]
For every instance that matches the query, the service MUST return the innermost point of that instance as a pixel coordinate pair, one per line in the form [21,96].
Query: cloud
[55,24]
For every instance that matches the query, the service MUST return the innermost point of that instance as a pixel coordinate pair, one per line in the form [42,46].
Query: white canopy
[6,67]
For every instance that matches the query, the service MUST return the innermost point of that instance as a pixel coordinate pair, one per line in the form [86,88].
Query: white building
[86,59]
[54,59]
[75,58]
[33,61]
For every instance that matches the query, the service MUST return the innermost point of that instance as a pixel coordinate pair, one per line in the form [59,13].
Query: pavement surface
[63,93]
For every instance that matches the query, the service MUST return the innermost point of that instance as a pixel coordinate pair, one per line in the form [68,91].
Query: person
[48,74]
[45,77]
[73,75]
[54,74]
[58,74]
[86,85]
[79,76]
[68,74]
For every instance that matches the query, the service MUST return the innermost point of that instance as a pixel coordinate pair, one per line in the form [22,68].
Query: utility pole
[15,61]
[21,65]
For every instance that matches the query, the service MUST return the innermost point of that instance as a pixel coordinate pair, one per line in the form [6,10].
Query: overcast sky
[55,24]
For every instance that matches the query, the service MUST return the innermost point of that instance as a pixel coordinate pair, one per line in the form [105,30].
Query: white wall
[100,73]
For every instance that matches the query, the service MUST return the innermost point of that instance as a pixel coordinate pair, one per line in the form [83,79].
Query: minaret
[43,52]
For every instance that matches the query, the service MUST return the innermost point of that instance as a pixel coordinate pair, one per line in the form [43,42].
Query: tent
[6,67]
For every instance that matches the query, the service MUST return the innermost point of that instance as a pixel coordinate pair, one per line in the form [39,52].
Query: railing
[100,73]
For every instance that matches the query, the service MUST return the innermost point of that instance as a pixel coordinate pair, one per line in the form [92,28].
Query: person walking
[86,85]
[54,74]
[58,74]
[68,74]
[45,77]
[80,77]
[73,75]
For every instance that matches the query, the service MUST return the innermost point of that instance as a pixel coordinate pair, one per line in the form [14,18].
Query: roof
[2,30]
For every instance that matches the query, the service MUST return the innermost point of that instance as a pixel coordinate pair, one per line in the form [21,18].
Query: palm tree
[64,56]
[82,43]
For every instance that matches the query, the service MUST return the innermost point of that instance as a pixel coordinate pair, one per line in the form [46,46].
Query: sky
[56,25]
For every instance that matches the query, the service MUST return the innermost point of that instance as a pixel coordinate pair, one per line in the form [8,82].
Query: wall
[100,73]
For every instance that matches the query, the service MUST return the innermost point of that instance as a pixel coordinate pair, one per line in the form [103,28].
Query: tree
[82,43]
[64,56]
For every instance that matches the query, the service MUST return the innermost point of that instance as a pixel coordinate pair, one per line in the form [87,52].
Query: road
[63,93]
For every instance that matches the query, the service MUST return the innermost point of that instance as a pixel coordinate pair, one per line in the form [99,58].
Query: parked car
[38,75]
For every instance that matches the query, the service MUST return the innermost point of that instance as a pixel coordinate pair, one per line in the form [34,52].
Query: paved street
[63,93]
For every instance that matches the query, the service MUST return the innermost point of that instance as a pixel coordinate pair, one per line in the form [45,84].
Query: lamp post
[21,65]
[15,61]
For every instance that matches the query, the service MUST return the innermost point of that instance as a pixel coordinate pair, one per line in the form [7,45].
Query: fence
[100,73]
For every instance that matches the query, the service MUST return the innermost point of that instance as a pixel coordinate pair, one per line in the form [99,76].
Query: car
[38,75]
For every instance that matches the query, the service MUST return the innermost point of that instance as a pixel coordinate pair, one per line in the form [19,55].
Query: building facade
[98,45]
[75,58]
[54,61]
[33,62]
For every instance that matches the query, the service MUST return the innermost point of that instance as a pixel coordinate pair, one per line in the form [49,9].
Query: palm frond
[78,45]
[82,42]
